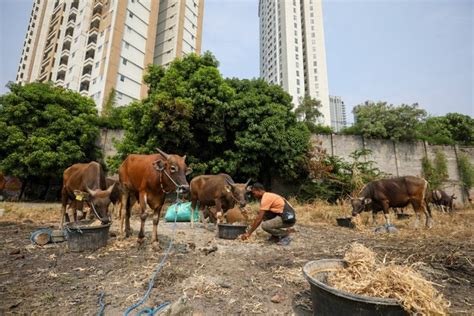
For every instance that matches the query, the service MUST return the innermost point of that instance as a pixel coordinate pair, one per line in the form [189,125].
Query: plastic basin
[331,301]
[229,231]
[81,238]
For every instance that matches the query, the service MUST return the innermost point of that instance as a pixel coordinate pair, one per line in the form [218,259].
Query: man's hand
[244,236]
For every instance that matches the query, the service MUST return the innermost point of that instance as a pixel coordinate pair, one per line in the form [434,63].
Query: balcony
[90,46]
[84,86]
[75,4]
[65,52]
[98,5]
[92,38]
[70,31]
[89,61]
[71,23]
[68,38]
[62,67]
[73,10]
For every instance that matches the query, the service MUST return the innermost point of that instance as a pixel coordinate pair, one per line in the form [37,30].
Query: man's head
[257,190]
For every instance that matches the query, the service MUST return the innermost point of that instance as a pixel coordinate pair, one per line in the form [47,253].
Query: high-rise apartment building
[95,46]
[292,50]
[338,113]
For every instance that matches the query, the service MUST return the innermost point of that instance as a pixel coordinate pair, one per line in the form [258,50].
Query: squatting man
[275,212]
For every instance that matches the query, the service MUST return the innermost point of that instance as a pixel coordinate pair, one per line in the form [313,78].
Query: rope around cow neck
[151,283]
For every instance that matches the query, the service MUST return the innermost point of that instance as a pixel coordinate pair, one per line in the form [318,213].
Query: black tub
[229,231]
[331,302]
[80,238]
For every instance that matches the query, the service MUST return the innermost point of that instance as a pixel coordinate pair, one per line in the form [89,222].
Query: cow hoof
[156,246]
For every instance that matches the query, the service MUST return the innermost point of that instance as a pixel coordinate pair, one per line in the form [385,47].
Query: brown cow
[219,190]
[237,215]
[147,178]
[394,192]
[86,180]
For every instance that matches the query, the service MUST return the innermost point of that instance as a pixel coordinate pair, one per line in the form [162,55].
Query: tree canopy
[453,128]
[44,129]
[242,127]
[308,112]
[383,120]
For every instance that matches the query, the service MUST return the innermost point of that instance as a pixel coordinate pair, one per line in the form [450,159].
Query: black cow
[443,201]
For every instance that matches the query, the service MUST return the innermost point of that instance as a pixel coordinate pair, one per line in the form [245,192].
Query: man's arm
[254,226]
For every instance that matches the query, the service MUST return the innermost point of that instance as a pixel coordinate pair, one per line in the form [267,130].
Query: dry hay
[365,275]
[288,275]
[200,286]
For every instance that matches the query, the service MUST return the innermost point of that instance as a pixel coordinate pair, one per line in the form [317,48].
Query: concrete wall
[106,141]
[395,159]
[399,159]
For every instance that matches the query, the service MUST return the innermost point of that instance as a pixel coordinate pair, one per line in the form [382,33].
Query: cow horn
[91,192]
[109,189]
[165,155]
[229,181]
[184,158]
[248,182]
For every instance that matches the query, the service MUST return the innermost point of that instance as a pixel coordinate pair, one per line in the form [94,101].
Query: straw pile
[365,275]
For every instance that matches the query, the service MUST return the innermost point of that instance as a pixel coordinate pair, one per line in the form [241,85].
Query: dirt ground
[237,278]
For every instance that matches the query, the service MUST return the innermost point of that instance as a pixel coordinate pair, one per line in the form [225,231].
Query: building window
[97,65]
[124,61]
[126,45]
[122,78]
[130,14]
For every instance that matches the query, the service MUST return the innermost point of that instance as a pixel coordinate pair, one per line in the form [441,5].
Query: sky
[399,51]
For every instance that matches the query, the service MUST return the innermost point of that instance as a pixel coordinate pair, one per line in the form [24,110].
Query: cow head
[359,205]
[453,197]
[101,201]
[238,191]
[174,167]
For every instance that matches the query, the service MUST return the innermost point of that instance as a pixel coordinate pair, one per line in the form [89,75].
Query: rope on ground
[101,303]
[151,283]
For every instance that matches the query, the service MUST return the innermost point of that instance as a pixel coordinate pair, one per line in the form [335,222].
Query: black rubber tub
[81,238]
[330,301]
[229,231]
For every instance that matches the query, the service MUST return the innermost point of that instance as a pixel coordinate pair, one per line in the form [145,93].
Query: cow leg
[426,208]
[417,209]
[218,211]
[143,215]
[201,215]
[386,214]
[125,203]
[374,218]
[156,220]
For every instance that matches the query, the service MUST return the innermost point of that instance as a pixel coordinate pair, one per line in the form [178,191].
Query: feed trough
[345,222]
[229,231]
[328,300]
[81,237]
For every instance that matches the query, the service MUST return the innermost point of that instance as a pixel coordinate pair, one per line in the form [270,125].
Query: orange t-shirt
[272,202]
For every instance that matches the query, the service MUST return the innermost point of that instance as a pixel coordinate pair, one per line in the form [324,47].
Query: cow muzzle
[182,189]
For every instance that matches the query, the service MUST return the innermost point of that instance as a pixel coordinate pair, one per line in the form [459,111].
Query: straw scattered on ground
[365,275]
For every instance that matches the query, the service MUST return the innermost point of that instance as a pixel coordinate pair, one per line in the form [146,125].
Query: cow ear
[228,188]
[367,201]
[184,158]
[249,188]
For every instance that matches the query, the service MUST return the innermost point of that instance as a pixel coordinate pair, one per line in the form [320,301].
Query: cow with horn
[85,183]
[216,190]
[146,179]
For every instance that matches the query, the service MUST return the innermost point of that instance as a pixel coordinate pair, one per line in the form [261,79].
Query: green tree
[242,127]
[453,128]
[381,120]
[44,129]
[308,111]
[109,103]
[436,172]
[466,172]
